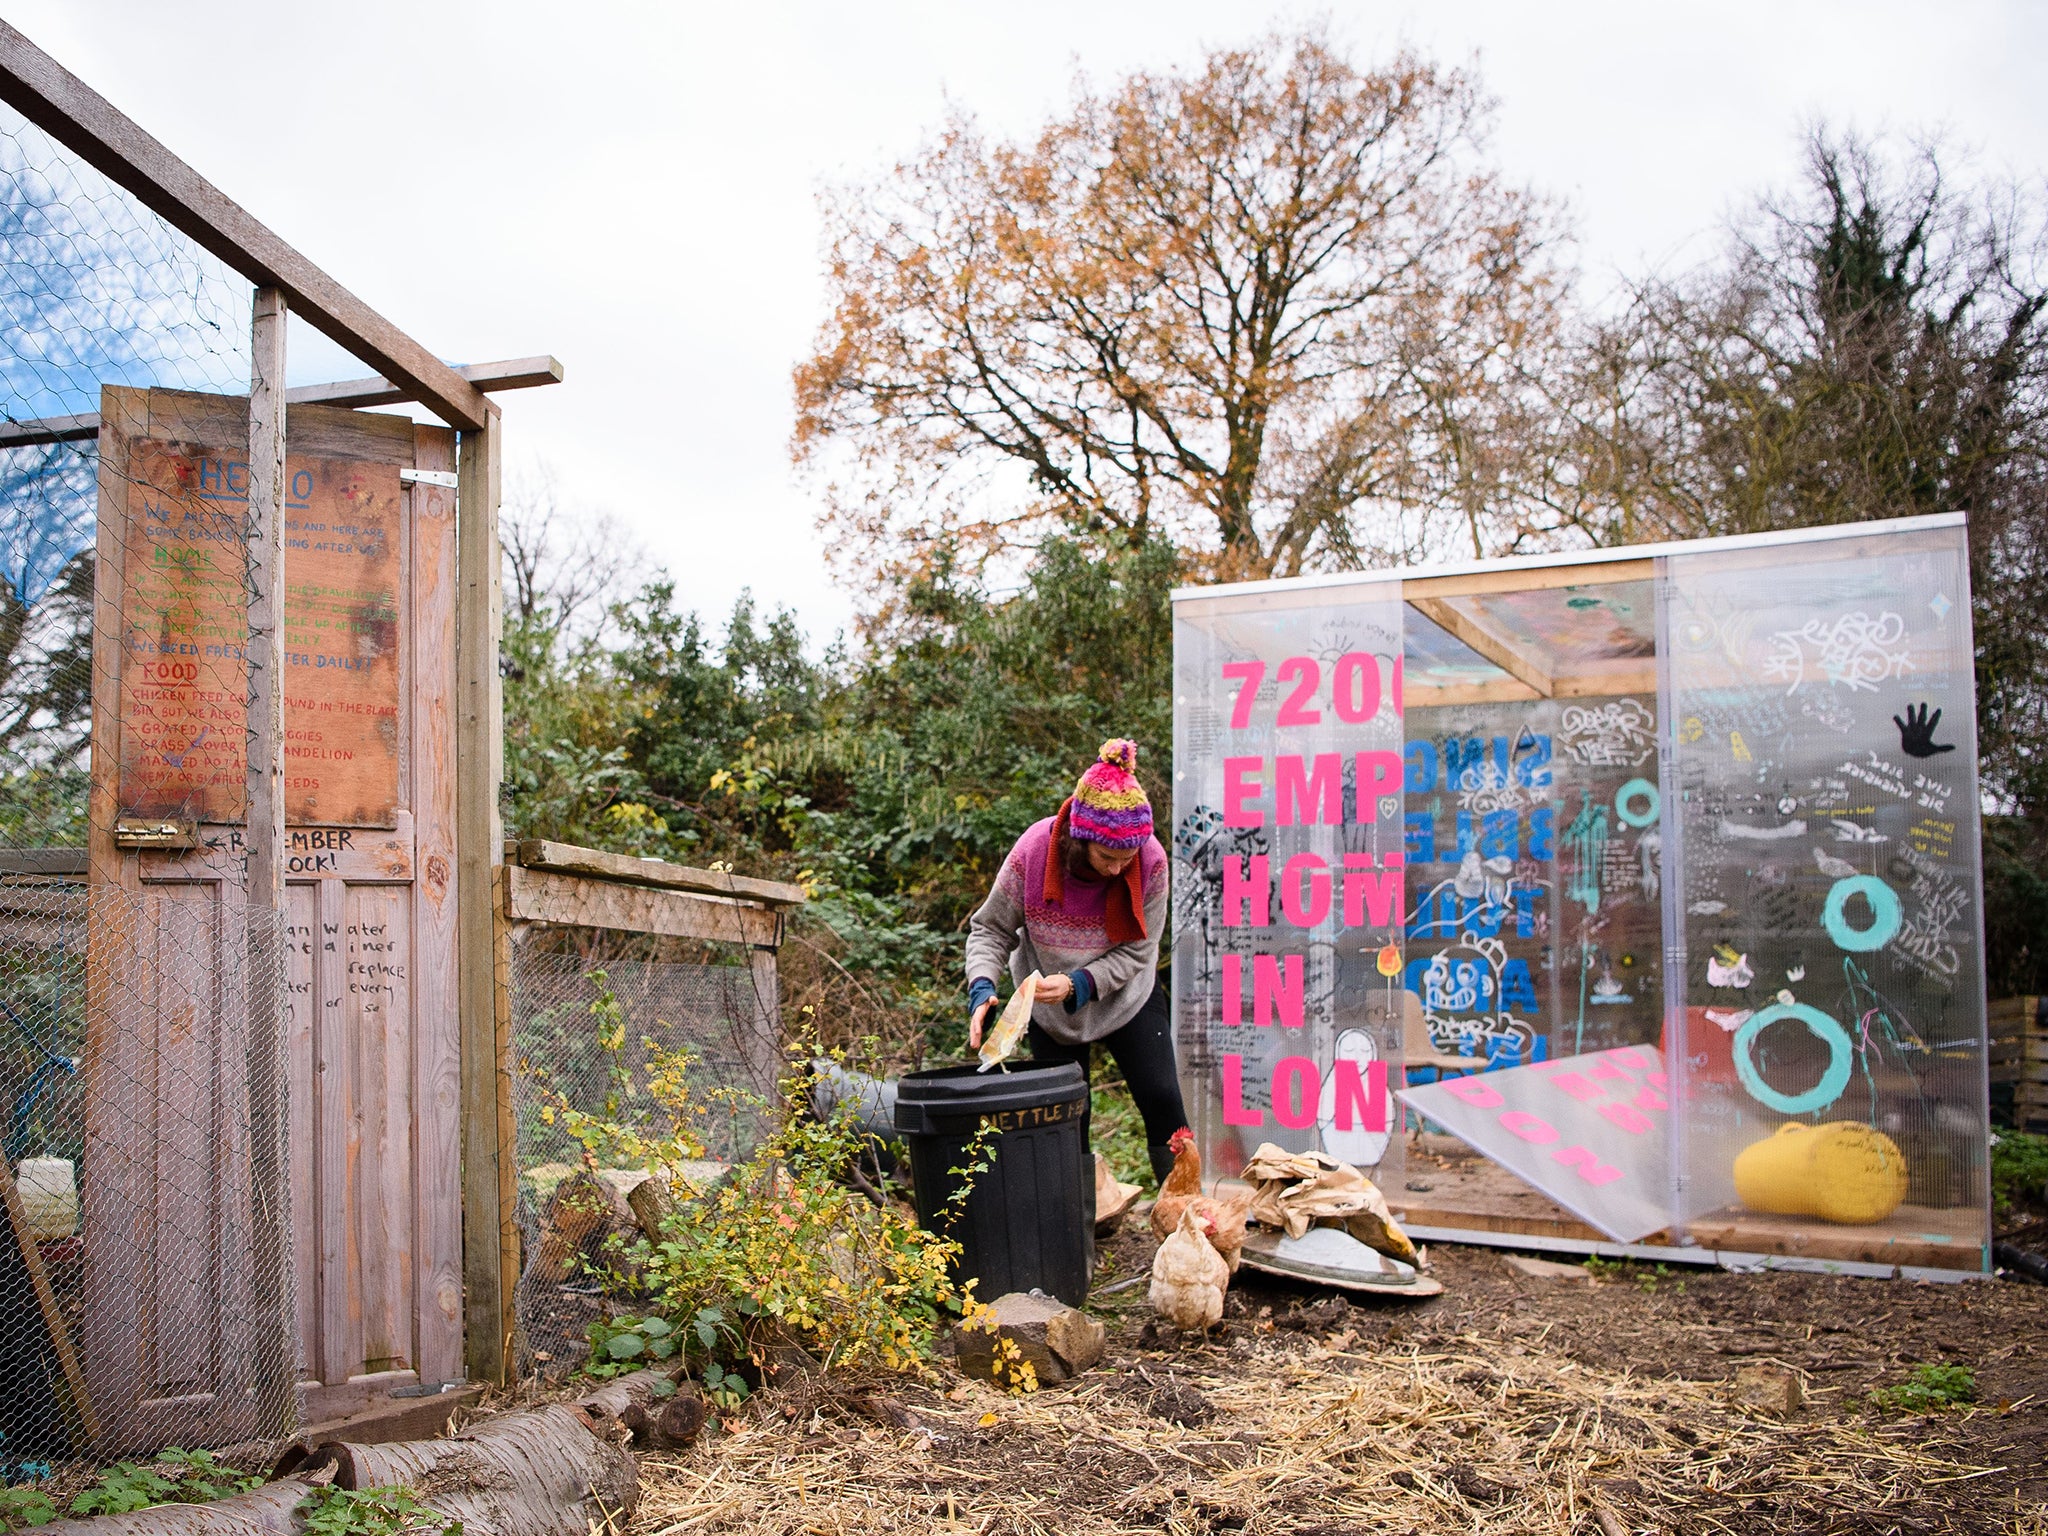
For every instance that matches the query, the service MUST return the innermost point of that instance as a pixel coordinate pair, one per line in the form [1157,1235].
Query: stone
[1059,1341]
[1769,1388]
[1545,1269]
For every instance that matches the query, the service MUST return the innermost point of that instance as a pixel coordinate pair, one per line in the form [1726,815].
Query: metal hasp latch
[138,832]
[444,478]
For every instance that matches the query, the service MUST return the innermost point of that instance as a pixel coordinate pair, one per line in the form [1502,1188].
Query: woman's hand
[974,1025]
[1054,989]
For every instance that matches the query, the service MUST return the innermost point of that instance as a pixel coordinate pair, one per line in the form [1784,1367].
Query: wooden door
[369,936]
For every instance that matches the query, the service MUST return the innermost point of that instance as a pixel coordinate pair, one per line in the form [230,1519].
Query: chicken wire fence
[146,1258]
[588,1020]
[146,1276]
[96,291]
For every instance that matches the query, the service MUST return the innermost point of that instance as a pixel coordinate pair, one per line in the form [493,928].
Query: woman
[1082,900]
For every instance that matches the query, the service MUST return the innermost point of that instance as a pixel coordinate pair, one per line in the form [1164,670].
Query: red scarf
[1123,913]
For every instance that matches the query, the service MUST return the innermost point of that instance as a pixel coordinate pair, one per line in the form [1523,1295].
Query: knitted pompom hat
[1109,806]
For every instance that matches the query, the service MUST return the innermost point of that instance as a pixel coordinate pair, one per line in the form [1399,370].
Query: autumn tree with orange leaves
[1279,311]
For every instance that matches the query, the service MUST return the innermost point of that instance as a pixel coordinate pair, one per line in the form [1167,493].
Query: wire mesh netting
[96,290]
[587,1021]
[146,1258]
[145,1277]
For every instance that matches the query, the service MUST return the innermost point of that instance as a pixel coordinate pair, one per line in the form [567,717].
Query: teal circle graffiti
[1824,1029]
[1884,913]
[1632,791]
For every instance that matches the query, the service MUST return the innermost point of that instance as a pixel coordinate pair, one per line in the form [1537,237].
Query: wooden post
[273,1324]
[265,558]
[490,1233]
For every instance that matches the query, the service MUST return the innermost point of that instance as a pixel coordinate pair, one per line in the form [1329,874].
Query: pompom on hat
[1109,806]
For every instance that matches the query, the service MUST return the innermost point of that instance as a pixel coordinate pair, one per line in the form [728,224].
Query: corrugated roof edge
[1577,557]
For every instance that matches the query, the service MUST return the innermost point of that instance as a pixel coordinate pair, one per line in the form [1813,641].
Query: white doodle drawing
[1730,1019]
[1879,774]
[1707,908]
[1618,734]
[1785,996]
[1924,936]
[1797,973]
[1827,711]
[1608,990]
[1793,828]
[1738,974]
[1855,832]
[1832,867]
[1500,797]
[1853,649]
[1932,793]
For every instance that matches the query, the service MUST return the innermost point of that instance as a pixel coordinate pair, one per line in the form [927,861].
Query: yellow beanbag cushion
[1841,1171]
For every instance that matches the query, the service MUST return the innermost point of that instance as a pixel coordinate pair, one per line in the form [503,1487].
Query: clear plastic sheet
[1823,747]
[1709,810]
[1288,882]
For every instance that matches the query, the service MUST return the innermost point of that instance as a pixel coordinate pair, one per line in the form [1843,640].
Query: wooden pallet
[1449,1188]
[2017,1049]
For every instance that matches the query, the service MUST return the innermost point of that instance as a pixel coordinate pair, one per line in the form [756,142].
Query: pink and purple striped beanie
[1109,806]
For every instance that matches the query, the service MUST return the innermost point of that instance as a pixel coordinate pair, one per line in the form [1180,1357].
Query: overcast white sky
[632,186]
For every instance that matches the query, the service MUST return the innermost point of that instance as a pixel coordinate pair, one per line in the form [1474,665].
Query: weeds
[1928,1389]
[175,1476]
[391,1511]
[779,1251]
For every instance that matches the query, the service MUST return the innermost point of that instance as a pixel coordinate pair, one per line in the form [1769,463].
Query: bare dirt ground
[1509,1404]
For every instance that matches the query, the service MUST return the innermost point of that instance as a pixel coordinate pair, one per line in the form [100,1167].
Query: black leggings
[1143,1051]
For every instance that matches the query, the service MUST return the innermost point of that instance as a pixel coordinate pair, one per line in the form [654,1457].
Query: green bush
[780,1250]
[2019,1170]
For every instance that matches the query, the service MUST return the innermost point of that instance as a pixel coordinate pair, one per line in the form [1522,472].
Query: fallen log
[660,1411]
[266,1511]
[549,1471]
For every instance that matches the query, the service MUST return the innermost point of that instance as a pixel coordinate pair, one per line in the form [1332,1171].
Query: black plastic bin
[1028,1222]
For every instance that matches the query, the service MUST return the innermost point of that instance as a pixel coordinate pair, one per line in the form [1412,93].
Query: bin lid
[965,1090]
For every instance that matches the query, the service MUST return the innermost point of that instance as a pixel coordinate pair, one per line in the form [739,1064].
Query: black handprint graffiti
[1916,732]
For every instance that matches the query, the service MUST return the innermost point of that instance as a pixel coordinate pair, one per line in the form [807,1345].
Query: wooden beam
[1503,690]
[1548,579]
[1605,679]
[488,1313]
[514,373]
[87,124]
[567,858]
[1594,680]
[43,861]
[576,901]
[518,373]
[1508,652]
[50,429]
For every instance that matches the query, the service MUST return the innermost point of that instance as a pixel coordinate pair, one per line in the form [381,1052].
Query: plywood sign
[183,743]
